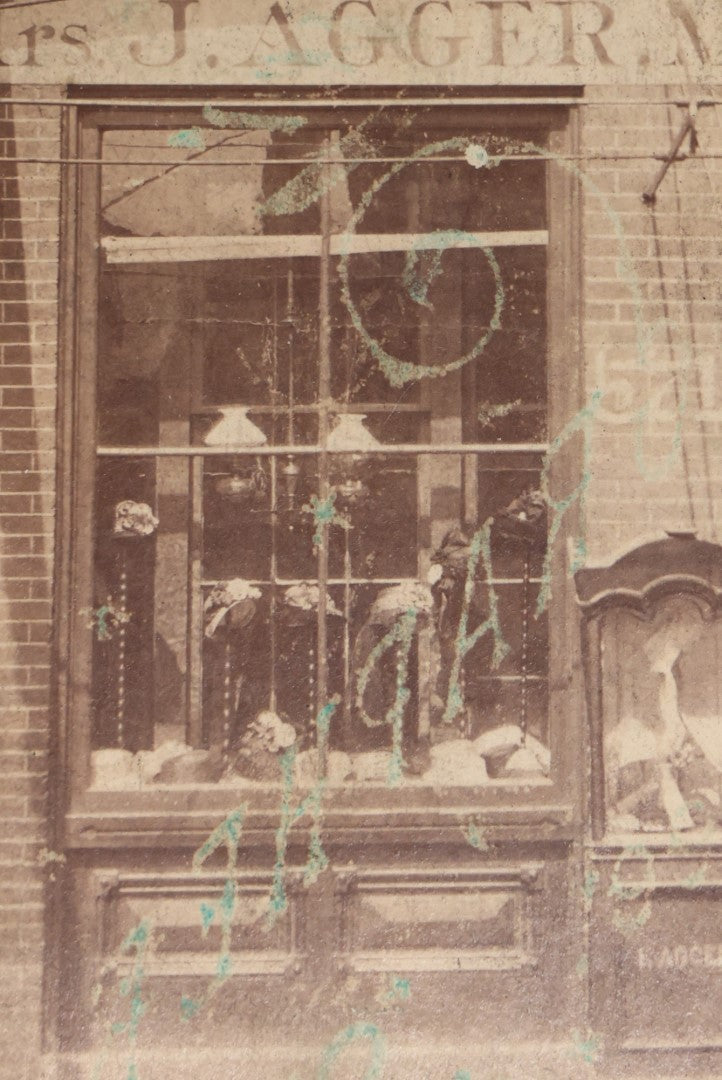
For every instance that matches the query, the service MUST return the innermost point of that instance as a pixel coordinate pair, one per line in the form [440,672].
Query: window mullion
[324,396]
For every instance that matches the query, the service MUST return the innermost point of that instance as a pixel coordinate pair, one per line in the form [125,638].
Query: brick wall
[29,205]
[649,333]
[649,326]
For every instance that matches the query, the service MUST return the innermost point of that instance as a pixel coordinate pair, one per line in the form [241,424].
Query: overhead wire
[689,304]
[252,99]
[312,161]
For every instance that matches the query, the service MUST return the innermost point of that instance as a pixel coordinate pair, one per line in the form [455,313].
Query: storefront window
[321,371]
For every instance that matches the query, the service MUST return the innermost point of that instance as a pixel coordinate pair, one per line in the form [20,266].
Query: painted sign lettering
[681,957]
[459,38]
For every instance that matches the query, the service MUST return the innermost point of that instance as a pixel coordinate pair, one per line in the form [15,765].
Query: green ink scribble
[400,990]
[474,834]
[208,914]
[101,614]
[489,411]
[319,176]
[582,423]
[399,372]
[137,942]
[189,1007]
[345,1039]
[105,619]
[397,993]
[278,901]
[188,139]
[621,893]
[480,547]
[311,805]
[588,1047]
[478,157]
[462,1074]
[324,173]
[401,636]
[590,885]
[395,715]
[418,279]
[226,835]
[221,118]
[644,331]
[324,514]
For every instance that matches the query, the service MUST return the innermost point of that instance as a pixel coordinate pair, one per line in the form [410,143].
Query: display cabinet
[652,631]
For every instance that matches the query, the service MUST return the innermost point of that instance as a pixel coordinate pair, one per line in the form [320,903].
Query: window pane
[425,195]
[205,180]
[211,336]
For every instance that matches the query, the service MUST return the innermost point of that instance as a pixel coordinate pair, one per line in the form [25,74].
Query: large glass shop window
[294,464]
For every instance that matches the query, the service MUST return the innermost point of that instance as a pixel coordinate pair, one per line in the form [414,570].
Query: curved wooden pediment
[640,579]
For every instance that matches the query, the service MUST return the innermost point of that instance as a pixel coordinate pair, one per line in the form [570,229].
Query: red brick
[12,290]
[22,566]
[14,333]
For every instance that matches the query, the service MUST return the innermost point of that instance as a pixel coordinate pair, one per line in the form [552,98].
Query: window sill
[639,845]
[183,817]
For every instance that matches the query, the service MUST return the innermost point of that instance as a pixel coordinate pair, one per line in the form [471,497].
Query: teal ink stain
[416,282]
[401,634]
[638,894]
[345,1039]
[462,1074]
[208,914]
[400,990]
[324,514]
[312,806]
[188,139]
[101,614]
[226,835]
[488,411]
[590,885]
[395,716]
[478,156]
[475,836]
[582,423]
[588,1047]
[320,175]
[136,942]
[644,331]
[106,618]
[480,548]
[399,372]
[189,1007]
[221,118]
[278,900]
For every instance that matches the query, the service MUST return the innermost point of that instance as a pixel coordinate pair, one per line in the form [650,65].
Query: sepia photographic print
[360,539]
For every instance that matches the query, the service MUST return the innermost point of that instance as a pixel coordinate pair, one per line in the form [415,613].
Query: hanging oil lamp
[234,428]
[290,473]
[347,470]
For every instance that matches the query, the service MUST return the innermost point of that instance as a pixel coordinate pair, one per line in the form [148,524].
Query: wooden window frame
[164,816]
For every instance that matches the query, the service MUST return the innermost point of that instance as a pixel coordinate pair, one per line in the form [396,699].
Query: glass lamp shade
[350,433]
[235,428]
[290,473]
[347,469]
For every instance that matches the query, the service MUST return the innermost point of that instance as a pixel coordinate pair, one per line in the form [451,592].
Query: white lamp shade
[350,433]
[234,428]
